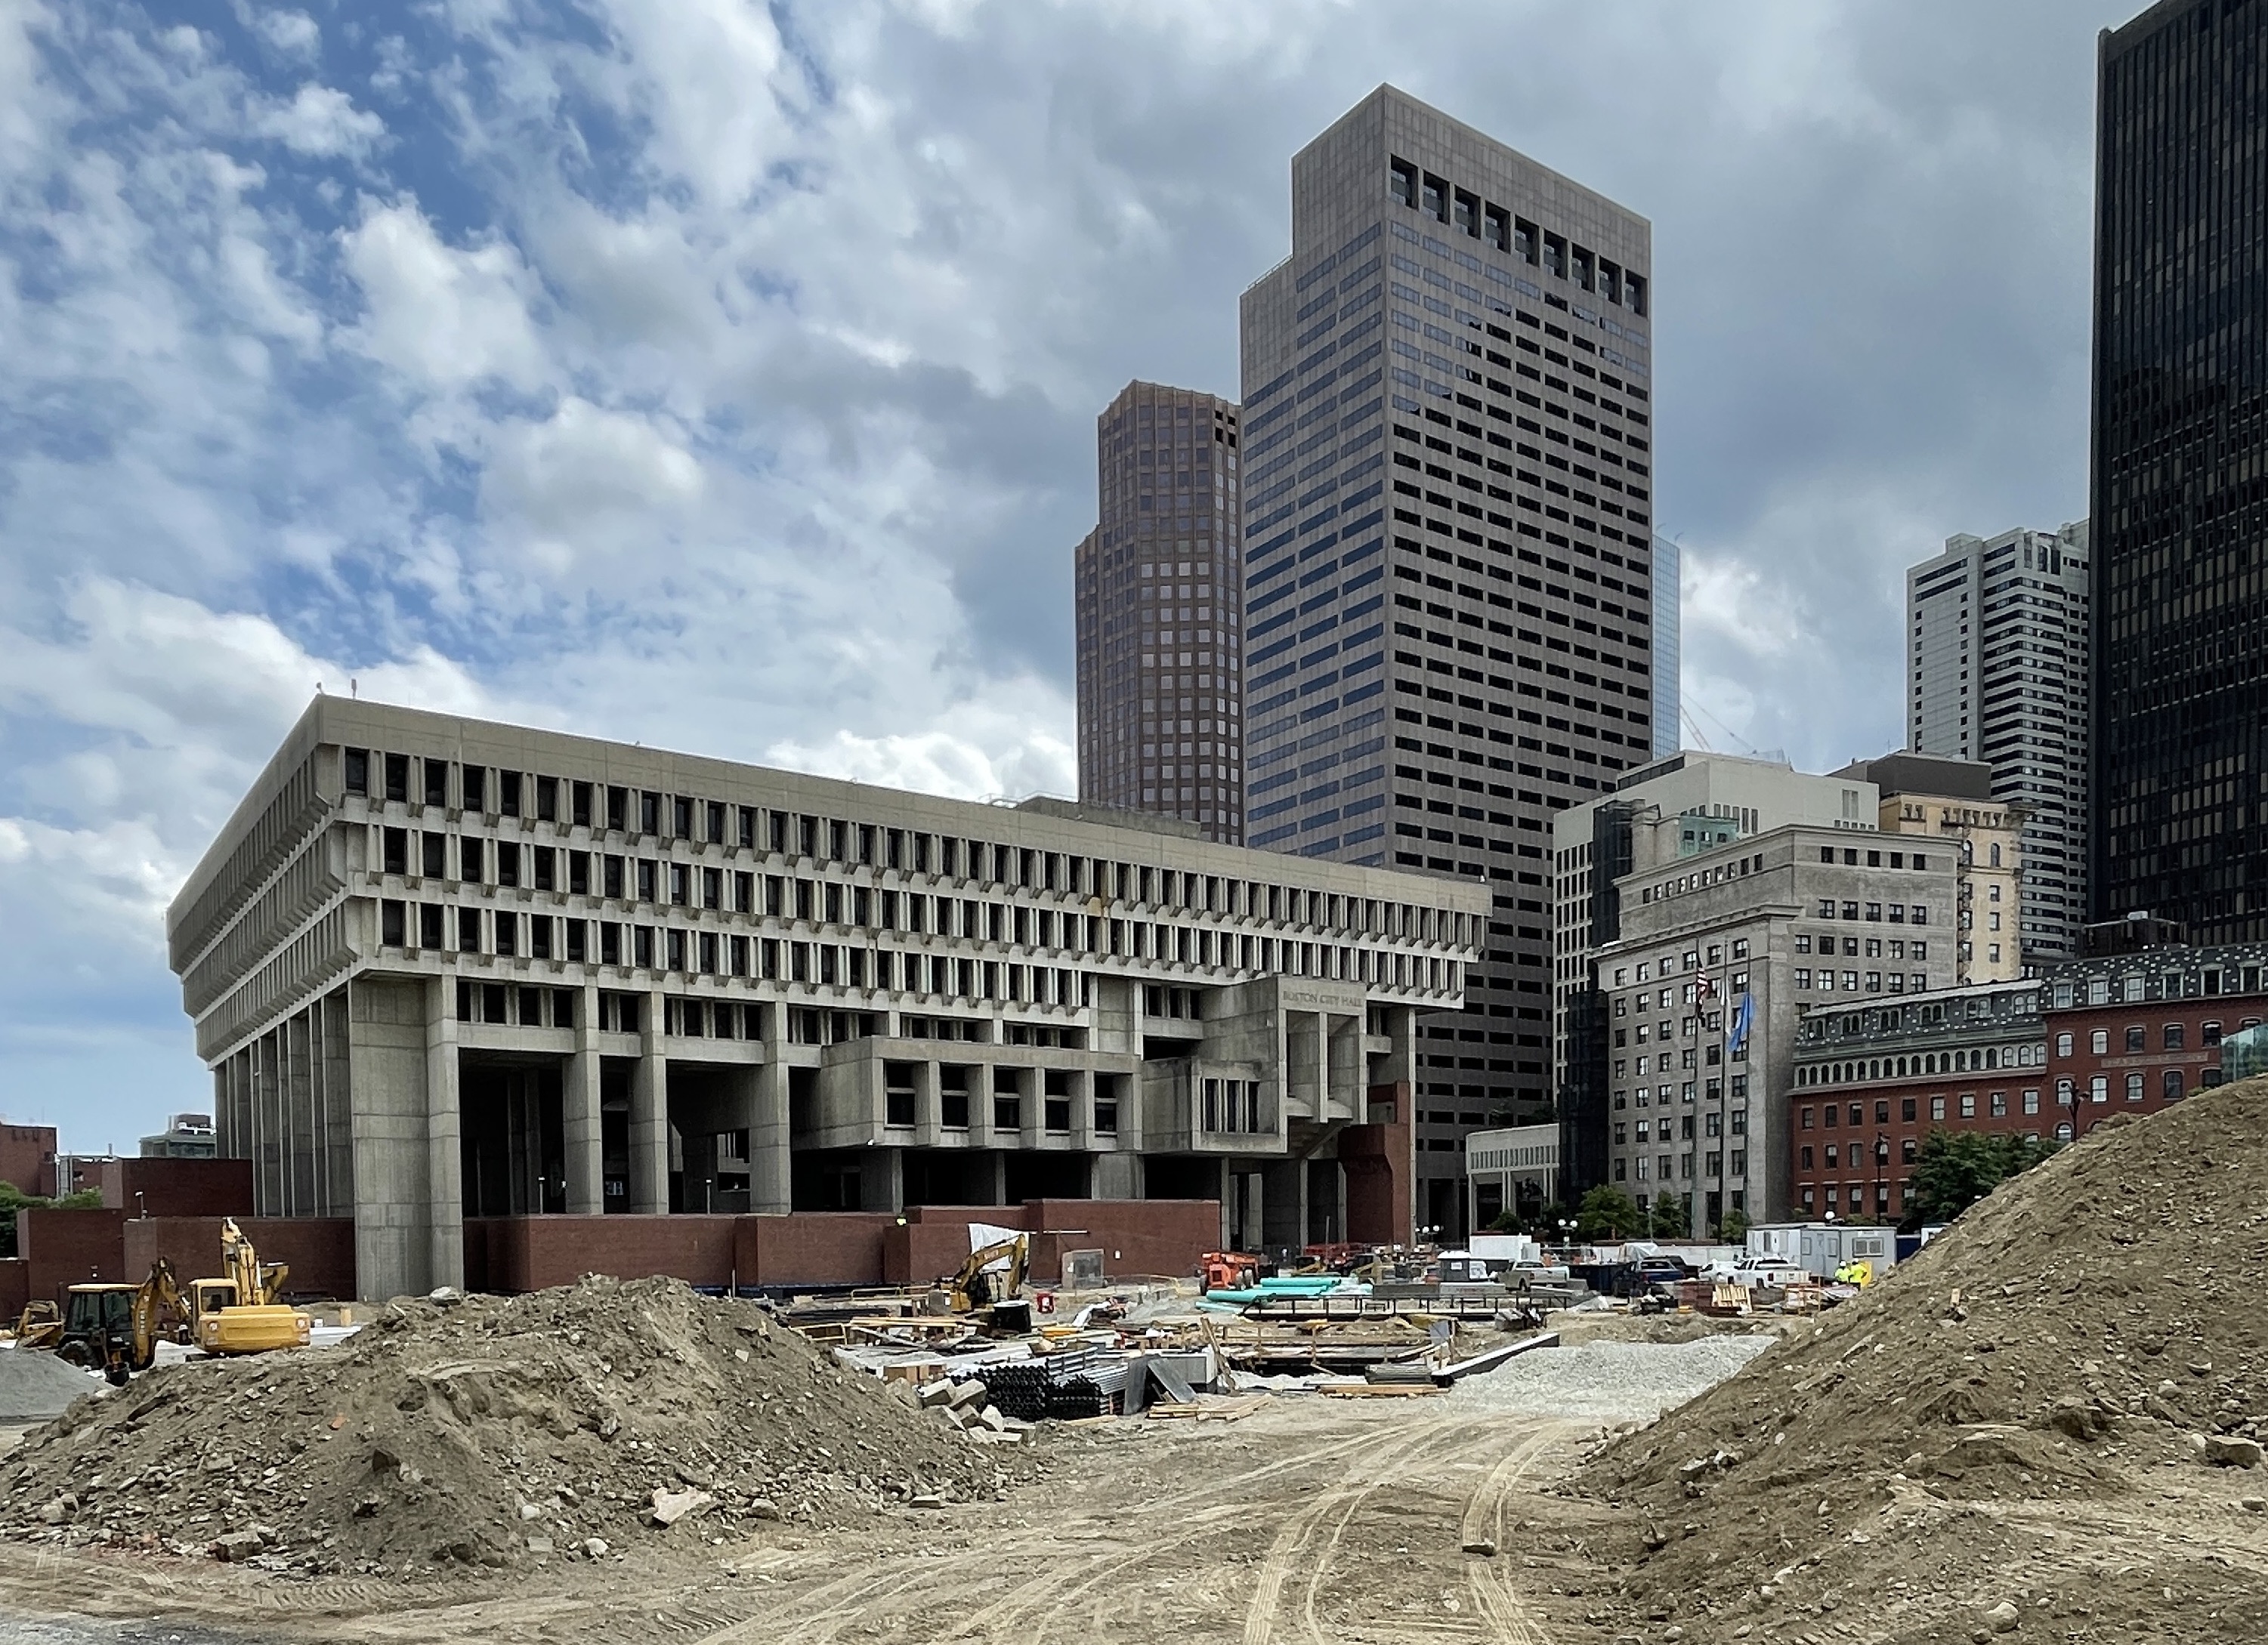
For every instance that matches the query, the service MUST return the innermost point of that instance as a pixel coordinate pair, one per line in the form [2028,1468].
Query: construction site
[2046,1425]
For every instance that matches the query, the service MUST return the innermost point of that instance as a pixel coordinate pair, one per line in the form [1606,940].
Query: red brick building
[2046,1058]
[1871,1081]
[27,1157]
[2128,1033]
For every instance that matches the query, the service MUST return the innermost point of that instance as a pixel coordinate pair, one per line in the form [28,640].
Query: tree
[1956,1168]
[1608,1212]
[1671,1216]
[1734,1228]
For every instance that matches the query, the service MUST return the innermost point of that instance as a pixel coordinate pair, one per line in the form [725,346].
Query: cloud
[724,375]
[321,121]
[442,317]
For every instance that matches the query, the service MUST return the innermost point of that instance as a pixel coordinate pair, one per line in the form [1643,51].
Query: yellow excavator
[241,1312]
[116,1328]
[973,1287]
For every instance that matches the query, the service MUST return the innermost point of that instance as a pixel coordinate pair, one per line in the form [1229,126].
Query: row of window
[1805,942]
[1897,982]
[516,934]
[550,868]
[1653,1167]
[2136,1037]
[1466,213]
[1712,1125]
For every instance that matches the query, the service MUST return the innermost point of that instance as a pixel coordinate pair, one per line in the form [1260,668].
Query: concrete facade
[1952,801]
[1450,601]
[1791,918]
[1658,813]
[1997,670]
[1160,606]
[447,970]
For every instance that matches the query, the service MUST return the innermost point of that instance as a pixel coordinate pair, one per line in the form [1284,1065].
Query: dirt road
[1311,1521]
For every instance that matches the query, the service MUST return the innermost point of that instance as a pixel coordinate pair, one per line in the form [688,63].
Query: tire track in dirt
[1494,1597]
[1377,1463]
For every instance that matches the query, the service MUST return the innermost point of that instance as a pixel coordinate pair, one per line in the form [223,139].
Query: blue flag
[1743,1017]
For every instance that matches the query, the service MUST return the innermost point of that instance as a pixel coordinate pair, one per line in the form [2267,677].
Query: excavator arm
[971,1287]
[160,1295]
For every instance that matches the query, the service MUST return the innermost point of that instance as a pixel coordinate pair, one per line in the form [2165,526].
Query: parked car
[1536,1273]
[1663,1271]
[1759,1271]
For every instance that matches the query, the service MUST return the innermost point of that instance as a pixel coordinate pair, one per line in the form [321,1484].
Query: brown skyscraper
[1160,596]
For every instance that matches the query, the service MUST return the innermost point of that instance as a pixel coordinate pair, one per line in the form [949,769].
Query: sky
[723,375]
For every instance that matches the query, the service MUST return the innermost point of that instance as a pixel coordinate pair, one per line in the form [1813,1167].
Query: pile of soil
[2045,1422]
[473,1432]
[34,1386]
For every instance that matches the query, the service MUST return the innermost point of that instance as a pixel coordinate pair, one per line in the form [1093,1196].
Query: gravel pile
[584,1422]
[34,1386]
[1608,1382]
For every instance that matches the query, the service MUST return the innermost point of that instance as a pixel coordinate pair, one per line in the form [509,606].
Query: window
[2098,1089]
[2209,1034]
[2172,1087]
[2134,1086]
[2136,1038]
[2063,1045]
[2099,1042]
[2173,1036]
[1937,1108]
[1906,1108]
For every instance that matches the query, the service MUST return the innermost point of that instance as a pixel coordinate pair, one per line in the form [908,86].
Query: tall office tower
[1996,671]
[1669,702]
[1160,599]
[2178,776]
[1449,586]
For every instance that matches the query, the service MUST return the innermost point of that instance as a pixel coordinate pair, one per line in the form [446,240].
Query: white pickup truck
[1753,1271]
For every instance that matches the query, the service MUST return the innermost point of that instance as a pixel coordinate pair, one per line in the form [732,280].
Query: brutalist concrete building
[1160,606]
[445,969]
[1449,596]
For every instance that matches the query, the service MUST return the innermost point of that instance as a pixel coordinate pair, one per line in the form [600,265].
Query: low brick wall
[318,1250]
[68,1248]
[178,1187]
[15,1289]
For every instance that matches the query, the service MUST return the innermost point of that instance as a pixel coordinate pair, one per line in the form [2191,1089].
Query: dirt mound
[35,1386]
[1963,1438]
[483,1432]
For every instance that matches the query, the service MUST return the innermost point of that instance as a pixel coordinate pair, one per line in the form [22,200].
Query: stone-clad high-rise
[2179,776]
[1159,597]
[1996,671]
[1448,564]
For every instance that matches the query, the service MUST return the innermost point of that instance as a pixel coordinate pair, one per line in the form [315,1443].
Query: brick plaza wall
[68,1248]
[815,1248]
[1381,1165]
[15,1289]
[318,1250]
[179,1187]
[534,1253]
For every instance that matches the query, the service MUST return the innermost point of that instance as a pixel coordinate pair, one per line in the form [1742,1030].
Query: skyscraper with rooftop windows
[1996,644]
[1159,582]
[1449,561]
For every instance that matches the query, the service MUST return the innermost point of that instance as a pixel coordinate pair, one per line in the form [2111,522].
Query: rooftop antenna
[354,687]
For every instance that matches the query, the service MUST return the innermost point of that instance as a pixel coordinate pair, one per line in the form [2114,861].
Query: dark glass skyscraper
[2180,470]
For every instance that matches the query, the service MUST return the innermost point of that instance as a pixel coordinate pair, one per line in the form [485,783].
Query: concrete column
[580,1119]
[649,1184]
[445,1165]
[1320,1026]
[771,1183]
